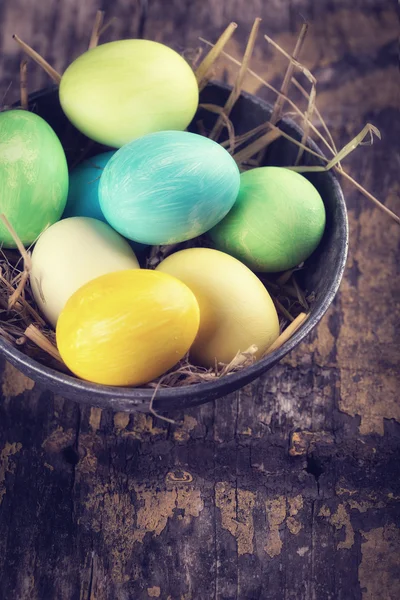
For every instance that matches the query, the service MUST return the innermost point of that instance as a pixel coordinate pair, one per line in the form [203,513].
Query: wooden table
[288,489]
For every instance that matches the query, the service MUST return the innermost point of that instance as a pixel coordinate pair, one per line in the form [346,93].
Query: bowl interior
[322,274]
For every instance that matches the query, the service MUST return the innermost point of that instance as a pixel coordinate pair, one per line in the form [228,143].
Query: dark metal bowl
[323,273]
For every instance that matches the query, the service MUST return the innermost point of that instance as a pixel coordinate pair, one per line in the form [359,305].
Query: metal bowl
[323,272]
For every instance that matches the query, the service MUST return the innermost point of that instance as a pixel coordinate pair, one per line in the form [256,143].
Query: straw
[203,70]
[23,84]
[39,60]
[237,88]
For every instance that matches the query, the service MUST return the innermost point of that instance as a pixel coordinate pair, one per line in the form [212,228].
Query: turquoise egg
[83,195]
[168,187]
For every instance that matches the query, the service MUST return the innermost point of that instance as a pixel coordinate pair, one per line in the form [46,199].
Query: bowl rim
[137,395]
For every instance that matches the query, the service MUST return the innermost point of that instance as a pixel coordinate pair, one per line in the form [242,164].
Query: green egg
[123,90]
[276,222]
[33,176]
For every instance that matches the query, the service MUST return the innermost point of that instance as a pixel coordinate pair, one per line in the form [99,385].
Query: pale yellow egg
[128,327]
[236,311]
[69,254]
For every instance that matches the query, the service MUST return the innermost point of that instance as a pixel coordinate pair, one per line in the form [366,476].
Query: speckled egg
[278,220]
[236,311]
[69,254]
[125,89]
[33,175]
[127,328]
[168,187]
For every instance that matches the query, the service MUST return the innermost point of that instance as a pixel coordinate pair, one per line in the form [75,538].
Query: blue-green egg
[83,195]
[168,187]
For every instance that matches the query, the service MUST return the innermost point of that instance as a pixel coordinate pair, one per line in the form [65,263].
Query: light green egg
[123,90]
[276,222]
[33,176]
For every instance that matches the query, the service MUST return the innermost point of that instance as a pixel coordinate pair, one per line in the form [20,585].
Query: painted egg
[236,311]
[278,220]
[69,254]
[83,194]
[122,90]
[33,175]
[168,187]
[127,328]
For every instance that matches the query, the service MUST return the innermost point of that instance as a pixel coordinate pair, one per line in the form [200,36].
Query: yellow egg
[127,327]
[236,310]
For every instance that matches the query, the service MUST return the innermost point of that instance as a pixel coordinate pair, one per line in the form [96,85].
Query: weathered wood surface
[288,489]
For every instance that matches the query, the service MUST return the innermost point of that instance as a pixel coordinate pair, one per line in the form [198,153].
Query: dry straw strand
[226,121]
[153,411]
[366,193]
[241,360]
[237,88]
[308,115]
[280,308]
[358,140]
[21,304]
[294,64]
[37,337]
[6,335]
[245,137]
[19,290]
[17,299]
[318,114]
[300,295]
[277,110]
[56,77]
[19,244]
[95,36]
[284,278]
[203,70]
[280,100]
[263,141]
[34,314]
[107,25]
[23,84]
[287,333]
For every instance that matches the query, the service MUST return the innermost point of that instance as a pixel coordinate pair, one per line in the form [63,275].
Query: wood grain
[288,489]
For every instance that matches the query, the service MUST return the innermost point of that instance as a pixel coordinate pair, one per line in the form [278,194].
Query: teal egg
[83,195]
[277,222]
[168,187]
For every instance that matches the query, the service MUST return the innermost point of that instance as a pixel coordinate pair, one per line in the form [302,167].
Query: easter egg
[69,254]
[83,194]
[278,220]
[33,175]
[122,90]
[168,187]
[127,328]
[236,311]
